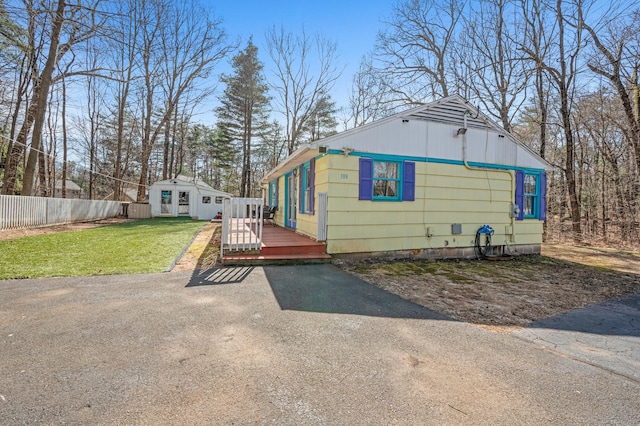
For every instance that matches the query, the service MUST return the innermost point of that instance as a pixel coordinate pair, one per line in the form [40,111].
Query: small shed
[185,196]
[422,183]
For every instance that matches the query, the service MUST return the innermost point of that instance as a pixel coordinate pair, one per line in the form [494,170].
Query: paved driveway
[606,335]
[276,345]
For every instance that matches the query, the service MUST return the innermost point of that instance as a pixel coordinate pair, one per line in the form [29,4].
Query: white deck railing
[241,224]
[18,212]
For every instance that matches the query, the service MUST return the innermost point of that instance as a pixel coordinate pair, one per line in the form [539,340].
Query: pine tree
[221,149]
[243,109]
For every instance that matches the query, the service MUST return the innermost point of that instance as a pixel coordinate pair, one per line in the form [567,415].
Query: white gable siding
[441,143]
[505,152]
[391,138]
[437,141]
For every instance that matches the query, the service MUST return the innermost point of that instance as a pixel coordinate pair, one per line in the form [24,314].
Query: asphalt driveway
[277,345]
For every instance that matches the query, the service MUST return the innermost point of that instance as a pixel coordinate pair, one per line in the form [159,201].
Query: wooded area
[104,93]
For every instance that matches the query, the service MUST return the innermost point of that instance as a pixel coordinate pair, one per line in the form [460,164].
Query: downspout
[509,172]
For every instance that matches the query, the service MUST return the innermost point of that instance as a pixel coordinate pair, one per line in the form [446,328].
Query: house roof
[70,185]
[453,110]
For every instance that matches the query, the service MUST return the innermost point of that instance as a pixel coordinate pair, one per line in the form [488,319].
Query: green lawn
[142,246]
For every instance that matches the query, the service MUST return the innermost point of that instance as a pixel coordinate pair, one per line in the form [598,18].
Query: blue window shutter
[520,193]
[543,197]
[366,179]
[300,190]
[409,181]
[312,185]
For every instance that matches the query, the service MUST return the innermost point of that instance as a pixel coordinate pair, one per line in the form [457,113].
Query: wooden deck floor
[281,245]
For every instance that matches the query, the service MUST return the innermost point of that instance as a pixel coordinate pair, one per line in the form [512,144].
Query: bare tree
[297,87]
[125,46]
[201,43]
[367,101]
[79,23]
[538,42]
[497,74]
[561,66]
[618,60]
[415,52]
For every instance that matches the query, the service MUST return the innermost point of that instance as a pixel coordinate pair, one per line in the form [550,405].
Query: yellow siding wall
[279,216]
[306,224]
[445,194]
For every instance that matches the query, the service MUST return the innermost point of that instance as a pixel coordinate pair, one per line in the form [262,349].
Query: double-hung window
[273,193]
[386,180]
[531,195]
[307,187]
[304,188]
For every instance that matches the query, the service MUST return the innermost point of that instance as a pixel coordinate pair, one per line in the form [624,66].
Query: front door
[183,203]
[291,199]
[166,202]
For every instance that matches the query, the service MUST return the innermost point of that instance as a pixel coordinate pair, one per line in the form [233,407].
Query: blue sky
[352,24]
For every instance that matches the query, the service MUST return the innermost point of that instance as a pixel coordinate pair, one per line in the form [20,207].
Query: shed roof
[185,180]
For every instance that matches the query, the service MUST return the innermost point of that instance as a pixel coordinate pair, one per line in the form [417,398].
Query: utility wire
[67,162]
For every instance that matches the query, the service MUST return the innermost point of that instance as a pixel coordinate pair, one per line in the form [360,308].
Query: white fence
[241,224]
[18,212]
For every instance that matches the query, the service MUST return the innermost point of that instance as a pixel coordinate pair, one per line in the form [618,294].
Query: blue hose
[483,249]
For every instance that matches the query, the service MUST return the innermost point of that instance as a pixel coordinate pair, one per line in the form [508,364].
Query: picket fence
[17,212]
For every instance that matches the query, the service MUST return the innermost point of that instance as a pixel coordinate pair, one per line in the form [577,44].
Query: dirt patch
[203,253]
[10,234]
[508,294]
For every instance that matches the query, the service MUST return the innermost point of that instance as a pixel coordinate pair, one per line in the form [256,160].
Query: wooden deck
[280,246]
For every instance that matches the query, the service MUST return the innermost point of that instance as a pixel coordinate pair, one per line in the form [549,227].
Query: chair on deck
[269,212]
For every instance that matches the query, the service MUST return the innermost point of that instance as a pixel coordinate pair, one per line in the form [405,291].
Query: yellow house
[421,183]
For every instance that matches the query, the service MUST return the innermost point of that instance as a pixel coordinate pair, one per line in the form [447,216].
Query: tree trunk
[42,173]
[569,170]
[64,140]
[17,151]
[604,202]
[41,96]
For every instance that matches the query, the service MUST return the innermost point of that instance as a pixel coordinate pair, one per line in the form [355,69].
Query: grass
[142,246]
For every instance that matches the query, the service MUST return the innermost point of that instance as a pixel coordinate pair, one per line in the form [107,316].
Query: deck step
[294,249]
[275,259]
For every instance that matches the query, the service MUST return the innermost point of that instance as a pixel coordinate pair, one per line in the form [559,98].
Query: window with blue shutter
[382,180]
[531,194]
